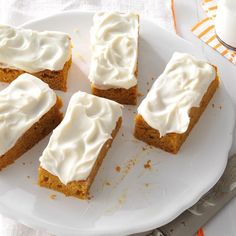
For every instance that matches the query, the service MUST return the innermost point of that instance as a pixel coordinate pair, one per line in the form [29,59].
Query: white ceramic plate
[135,199]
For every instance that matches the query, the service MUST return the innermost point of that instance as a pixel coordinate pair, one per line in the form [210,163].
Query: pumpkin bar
[46,55]
[79,144]
[175,102]
[114,65]
[29,110]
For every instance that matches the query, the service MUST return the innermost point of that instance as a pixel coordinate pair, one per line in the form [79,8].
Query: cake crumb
[153,78]
[130,164]
[28,177]
[220,107]
[23,163]
[146,185]
[140,94]
[213,105]
[122,135]
[53,196]
[148,164]
[124,171]
[147,147]
[108,183]
[118,168]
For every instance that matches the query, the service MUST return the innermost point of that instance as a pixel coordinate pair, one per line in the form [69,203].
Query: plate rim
[39,223]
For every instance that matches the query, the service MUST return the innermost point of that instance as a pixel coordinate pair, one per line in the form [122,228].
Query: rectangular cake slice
[175,102]
[46,55]
[29,110]
[114,65]
[79,144]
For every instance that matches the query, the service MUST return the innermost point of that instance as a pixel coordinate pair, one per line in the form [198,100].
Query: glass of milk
[225,23]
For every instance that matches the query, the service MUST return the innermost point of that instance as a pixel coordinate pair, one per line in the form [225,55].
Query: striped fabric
[210,7]
[205,30]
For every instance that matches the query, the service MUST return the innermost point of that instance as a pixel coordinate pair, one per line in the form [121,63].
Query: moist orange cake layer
[55,79]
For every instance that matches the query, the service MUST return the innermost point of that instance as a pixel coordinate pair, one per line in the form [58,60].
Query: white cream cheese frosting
[33,51]
[22,104]
[225,21]
[114,40]
[76,143]
[179,88]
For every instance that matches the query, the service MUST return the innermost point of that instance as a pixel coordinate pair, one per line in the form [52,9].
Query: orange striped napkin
[210,7]
[205,30]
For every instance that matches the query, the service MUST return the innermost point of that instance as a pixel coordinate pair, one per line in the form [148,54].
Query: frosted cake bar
[79,144]
[114,65]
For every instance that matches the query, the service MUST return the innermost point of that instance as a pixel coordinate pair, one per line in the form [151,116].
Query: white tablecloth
[16,12]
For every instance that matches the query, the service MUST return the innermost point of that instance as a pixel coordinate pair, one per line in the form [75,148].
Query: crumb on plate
[118,168]
[53,196]
[148,164]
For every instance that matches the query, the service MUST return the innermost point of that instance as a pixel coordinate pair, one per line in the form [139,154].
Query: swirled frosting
[33,51]
[76,143]
[114,40]
[22,104]
[179,88]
